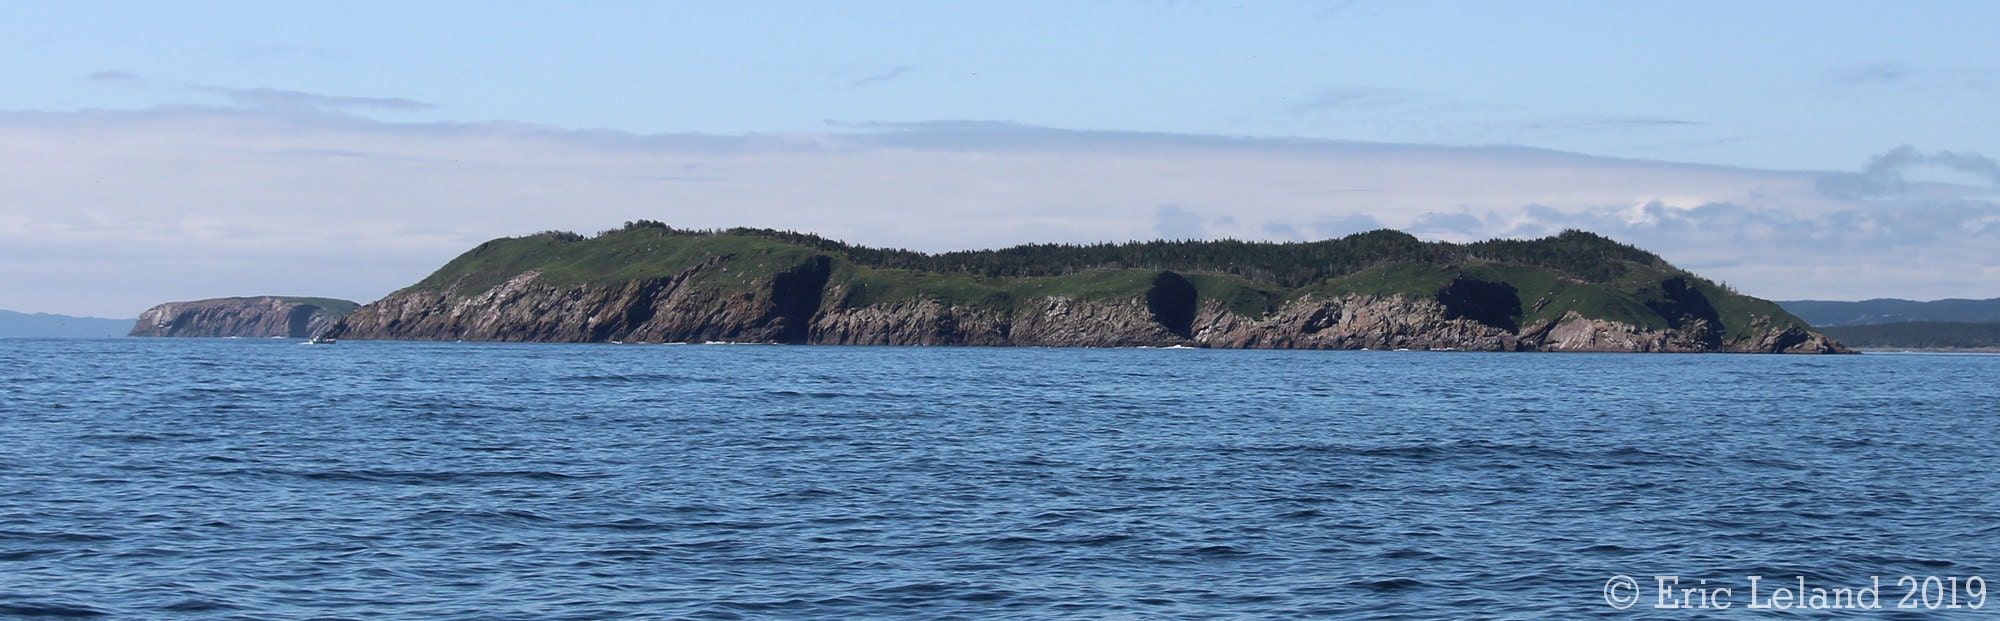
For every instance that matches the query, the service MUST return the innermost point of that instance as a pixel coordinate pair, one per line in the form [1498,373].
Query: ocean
[266,479]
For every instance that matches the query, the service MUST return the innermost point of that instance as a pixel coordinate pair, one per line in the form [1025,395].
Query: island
[245,317]
[1384,290]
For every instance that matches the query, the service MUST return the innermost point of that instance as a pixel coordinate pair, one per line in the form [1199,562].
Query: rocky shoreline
[800,306]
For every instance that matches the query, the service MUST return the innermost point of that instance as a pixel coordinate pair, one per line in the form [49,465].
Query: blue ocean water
[263,479]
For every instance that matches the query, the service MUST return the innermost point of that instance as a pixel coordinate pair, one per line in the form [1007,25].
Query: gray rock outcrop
[798,307]
[252,317]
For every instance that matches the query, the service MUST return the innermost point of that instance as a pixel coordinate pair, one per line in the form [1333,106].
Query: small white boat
[320,339]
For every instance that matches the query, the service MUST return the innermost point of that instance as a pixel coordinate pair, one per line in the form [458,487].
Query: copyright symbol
[1621,592]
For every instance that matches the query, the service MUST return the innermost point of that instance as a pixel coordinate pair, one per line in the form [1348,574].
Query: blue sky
[251,139]
[1801,85]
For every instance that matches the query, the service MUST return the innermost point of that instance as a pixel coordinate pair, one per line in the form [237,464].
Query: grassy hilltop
[1506,283]
[333,306]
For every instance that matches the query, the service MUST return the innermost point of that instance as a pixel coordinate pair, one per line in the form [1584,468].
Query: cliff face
[798,305]
[528,308]
[256,317]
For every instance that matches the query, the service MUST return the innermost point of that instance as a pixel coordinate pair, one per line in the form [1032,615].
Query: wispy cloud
[271,98]
[1939,85]
[345,153]
[288,53]
[1412,110]
[1922,249]
[112,75]
[1884,176]
[1873,75]
[1606,123]
[891,74]
[112,211]
[1356,98]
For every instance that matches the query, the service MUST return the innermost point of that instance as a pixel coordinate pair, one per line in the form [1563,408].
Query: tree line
[1288,264]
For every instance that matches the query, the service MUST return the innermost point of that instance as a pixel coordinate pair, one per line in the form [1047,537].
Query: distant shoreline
[1928,350]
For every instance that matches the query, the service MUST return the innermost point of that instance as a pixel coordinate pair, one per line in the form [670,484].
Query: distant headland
[250,317]
[649,282]
[44,325]
[1949,325]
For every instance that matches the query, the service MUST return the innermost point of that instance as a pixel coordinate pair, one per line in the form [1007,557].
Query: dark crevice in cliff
[1171,301]
[299,324]
[795,298]
[1681,304]
[1686,309]
[1495,304]
[639,308]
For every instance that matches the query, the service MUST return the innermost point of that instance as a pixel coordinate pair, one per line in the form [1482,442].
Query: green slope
[335,307]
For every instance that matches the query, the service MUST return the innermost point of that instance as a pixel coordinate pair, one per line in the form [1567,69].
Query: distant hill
[44,325]
[648,282]
[253,317]
[1919,335]
[1869,312]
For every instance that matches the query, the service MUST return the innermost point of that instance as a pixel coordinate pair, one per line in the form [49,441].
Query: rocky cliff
[256,317]
[661,285]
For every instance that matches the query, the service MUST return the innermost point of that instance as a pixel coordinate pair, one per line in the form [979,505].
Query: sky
[152,152]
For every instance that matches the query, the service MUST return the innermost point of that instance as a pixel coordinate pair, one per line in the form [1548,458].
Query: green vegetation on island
[1507,284]
[333,306]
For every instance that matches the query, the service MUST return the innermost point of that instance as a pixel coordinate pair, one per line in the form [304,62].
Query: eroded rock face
[1765,339]
[1067,322]
[525,308]
[910,322]
[1351,322]
[795,308]
[1574,332]
[258,317]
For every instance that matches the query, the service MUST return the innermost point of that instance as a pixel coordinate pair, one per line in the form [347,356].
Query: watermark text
[1673,592]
